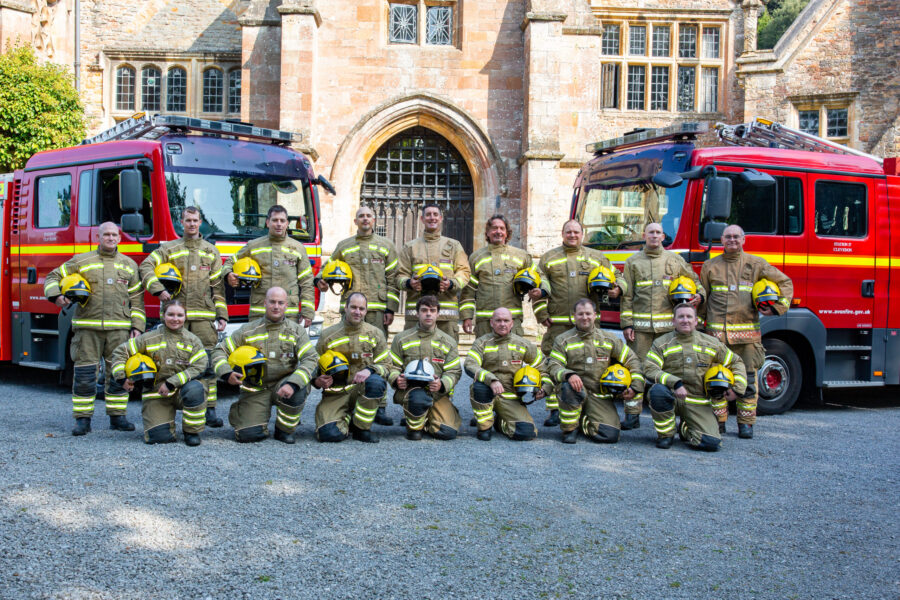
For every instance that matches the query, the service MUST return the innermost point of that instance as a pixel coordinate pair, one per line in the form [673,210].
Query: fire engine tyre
[780,378]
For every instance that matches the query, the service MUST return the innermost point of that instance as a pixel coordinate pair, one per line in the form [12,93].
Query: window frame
[159,87]
[421,22]
[823,106]
[38,201]
[119,94]
[865,212]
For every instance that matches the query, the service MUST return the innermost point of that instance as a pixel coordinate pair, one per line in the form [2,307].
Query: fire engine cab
[825,214]
[140,174]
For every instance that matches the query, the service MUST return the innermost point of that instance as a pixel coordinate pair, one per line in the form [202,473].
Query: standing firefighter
[110,307]
[354,362]
[686,366]
[282,262]
[190,270]
[646,310]
[371,264]
[273,360]
[580,363]
[425,371]
[731,314]
[505,368]
[564,273]
[433,265]
[166,364]
[493,269]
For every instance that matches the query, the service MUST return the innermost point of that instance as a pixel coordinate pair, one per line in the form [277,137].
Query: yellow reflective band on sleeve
[396,359]
[557,356]
[468,305]
[132,346]
[452,363]
[198,356]
[304,349]
[437,344]
[182,378]
[221,363]
[134,288]
[474,356]
[382,356]
[302,375]
[337,342]
[539,358]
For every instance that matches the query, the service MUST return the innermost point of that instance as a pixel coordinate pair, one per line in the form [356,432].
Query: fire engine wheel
[779,378]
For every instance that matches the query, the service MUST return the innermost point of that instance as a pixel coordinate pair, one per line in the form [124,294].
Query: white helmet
[419,373]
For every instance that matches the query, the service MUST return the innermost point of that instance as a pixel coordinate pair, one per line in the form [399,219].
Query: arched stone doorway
[415,167]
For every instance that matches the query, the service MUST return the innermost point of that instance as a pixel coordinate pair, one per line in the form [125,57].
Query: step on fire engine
[826,214]
[53,207]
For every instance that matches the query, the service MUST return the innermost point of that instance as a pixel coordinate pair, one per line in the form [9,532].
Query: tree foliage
[775,20]
[39,107]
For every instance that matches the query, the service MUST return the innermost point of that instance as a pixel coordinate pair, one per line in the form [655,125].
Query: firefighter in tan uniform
[646,311]
[349,406]
[202,291]
[448,256]
[180,359]
[576,363]
[493,268]
[730,315]
[373,260]
[677,363]
[113,312]
[492,362]
[290,362]
[564,273]
[428,408]
[284,263]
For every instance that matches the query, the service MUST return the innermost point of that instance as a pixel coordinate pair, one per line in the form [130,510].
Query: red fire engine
[827,215]
[140,174]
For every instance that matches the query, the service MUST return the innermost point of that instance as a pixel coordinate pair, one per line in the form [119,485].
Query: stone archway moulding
[397,115]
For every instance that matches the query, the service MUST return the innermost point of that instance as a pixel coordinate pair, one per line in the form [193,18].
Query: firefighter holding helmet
[579,363]
[658,279]
[425,369]
[106,287]
[731,314]
[273,360]
[354,362]
[690,371]
[166,364]
[190,270]
[505,369]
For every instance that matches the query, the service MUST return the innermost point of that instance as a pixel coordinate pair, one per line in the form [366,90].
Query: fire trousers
[206,331]
[356,406]
[643,340]
[596,414]
[88,347]
[556,329]
[513,419]
[250,414]
[753,356]
[158,412]
[432,412]
[698,427]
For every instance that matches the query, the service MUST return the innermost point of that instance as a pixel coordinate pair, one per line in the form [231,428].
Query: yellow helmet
[140,369]
[717,381]
[601,279]
[526,280]
[76,288]
[430,277]
[682,289]
[248,272]
[249,362]
[337,272]
[615,380]
[169,275]
[765,293]
[526,382]
[335,365]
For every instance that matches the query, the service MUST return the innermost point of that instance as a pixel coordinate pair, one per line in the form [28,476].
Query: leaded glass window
[659,88]
[809,121]
[125,88]
[661,40]
[837,122]
[687,41]
[637,40]
[403,26]
[710,42]
[710,77]
[212,90]
[234,91]
[610,86]
[439,25]
[686,80]
[636,86]
[151,88]
[609,45]
[176,90]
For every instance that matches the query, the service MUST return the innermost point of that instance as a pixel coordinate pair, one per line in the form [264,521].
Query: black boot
[287,438]
[82,426]
[631,422]
[381,417]
[120,423]
[414,434]
[745,431]
[192,439]
[722,428]
[211,419]
[568,437]
[665,442]
[364,435]
[553,419]
[484,435]
[473,422]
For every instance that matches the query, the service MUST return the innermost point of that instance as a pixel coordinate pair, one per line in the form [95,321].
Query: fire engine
[140,174]
[825,214]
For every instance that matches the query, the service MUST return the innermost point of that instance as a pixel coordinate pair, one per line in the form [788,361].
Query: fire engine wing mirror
[667,179]
[718,198]
[713,231]
[754,178]
[131,193]
[325,184]
[133,223]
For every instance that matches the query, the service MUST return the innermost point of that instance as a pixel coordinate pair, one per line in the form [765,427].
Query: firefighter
[577,362]
[176,359]
[564,275]
[198,264]
[112,312]
[284,263]
[730,315]
[646,309]
[424,372]
[373,262]
[493,362]
[676,365]
[448,258]
[353,377]
[290,360]
[493,269]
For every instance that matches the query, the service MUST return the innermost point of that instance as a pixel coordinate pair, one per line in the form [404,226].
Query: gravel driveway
[804,510]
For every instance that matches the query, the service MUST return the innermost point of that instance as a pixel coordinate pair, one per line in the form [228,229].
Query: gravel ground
[806,509]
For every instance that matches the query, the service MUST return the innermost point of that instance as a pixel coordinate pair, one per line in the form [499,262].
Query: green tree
[40,107]
[775,21]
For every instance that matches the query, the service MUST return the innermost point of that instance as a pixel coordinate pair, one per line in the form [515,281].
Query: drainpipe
[77,64]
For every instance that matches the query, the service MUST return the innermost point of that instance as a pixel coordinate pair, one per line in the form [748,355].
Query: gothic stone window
[408,20]
[125,88]
[826,117]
